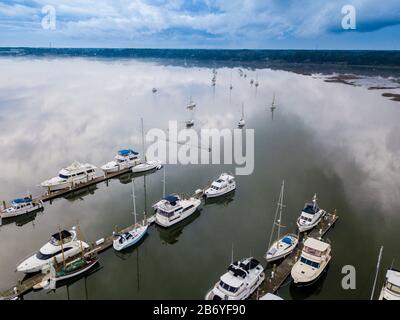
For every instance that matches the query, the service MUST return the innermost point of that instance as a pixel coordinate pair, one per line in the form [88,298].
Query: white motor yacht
[20,206]
[126,158]
[283,245]
[310,216]
[223,185]
[70,176]
[241,280]
[172,209]
[391,288]
[314,258]
[62,245]
[147,166]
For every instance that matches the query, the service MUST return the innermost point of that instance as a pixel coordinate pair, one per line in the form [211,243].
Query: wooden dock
[27,284]
[282,271]
[49,196]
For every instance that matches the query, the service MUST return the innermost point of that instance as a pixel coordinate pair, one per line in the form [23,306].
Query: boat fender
[100,241]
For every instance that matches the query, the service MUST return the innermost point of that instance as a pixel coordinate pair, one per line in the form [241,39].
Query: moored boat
[70,176]
[314,259]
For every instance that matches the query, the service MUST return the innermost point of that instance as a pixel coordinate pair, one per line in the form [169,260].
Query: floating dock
[280,273]
[49,196]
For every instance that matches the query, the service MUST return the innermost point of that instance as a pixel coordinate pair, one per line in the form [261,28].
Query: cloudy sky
[201,24]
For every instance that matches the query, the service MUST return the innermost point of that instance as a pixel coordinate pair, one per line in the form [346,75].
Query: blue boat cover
[127,152]
[171,198]
[22,200]
[287,240]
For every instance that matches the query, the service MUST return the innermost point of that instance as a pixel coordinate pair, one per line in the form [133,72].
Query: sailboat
[68,268]
[147,165]
[242,122]
[283,245]
[273,106]
[190,107]
[129,238]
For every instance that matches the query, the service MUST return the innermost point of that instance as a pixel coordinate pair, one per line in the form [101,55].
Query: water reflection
[81,193]
[171,234]
[339,141]
[22,219]
[222,200]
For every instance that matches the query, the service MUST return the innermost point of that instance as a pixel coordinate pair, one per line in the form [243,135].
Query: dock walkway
[280,273]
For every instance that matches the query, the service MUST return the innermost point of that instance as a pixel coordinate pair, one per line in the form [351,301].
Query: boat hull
[303,282]
[161,221]
[74,274]
[304,228]
[209,195]
[245,295]
[5,214]
[136,238]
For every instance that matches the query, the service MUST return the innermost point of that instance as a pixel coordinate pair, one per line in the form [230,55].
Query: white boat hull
[210,195]
[243,296]
[280,250]
[11,214]
[303,278]
[137,233]
[68,184]
[165,222]
[148,166]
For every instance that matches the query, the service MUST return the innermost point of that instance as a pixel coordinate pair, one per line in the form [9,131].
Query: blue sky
[300,24]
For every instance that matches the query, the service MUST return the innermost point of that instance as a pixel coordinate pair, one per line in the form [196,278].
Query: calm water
[339,141]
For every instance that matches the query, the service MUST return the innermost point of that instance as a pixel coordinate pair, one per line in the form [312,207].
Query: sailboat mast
[280,209]
[80,240]
[62,247]
[143,149]
[134,200]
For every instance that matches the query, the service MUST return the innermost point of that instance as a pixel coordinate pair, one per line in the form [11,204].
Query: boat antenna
[134,200]
[377,271]
[315,201]
[232,254]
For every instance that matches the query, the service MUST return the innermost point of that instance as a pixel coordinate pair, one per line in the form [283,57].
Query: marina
[196,242]
[281,272]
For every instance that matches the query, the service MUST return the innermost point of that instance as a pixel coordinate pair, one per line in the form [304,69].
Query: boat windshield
[165,213]
[214,187]
[312,251]
[63,176]
[57,242]
[392,287]
[228,287]
[309,262]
